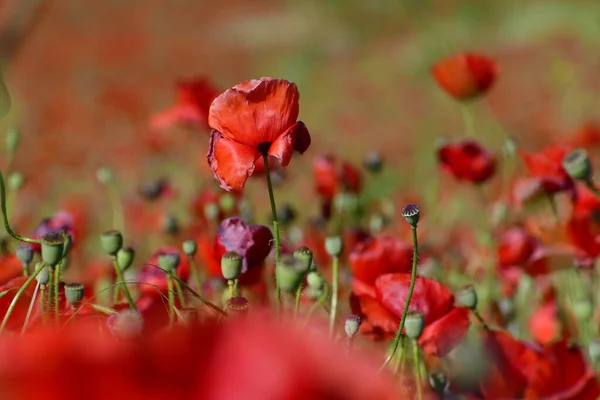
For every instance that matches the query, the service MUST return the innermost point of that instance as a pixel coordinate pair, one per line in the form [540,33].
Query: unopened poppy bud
[286,214]
[438,380]
[13,138]
[104,175]
[315,280]
[168,262]
[170,225]
[594,351]
[411,214]
[211,211]
[15,181]
[351,325]
[578,165]
[466,297]
[583,309]
[334,245]
[126,325]
[111,242]
[227,202]
[414,324]
[25,254]
[53,245]
[238,304]
[231,265]
[373,162]
[289,273]
[304,255]
[43,277]
[74,293]
[190,247]
[125,257]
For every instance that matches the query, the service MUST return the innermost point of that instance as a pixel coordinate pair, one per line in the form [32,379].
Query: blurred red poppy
[465,75]
[9,290]
[445,325]
[379,256]
[62,221]
[10,267]
[153,281]
[546,168]
[587,135]
[333,176]
[271,362]
[251,119]
[467,161]
[584,235]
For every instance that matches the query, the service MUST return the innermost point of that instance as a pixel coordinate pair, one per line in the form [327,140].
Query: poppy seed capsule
[238,304]
[334,245]
[15,181]
[304,255]
[351,325]
[211,211]
[373,162]
[74,293]
[44,276]
[414,324]
[315,280]
[289,273]
[438,380]
[190,247]
[53,245]
[168,262]
[594,350]
[231,265]
[111,242]
[25,254]
[104,175]
[411,214]
[125,257]
[466,297]
[578,166]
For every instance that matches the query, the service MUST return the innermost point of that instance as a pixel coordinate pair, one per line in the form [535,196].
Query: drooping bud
[74,293]
[290,273]
[411,214]
[190,247]
[126,325]
[578,166]
[231,265]
[466,297]
[304,255]
[53,245]
[168,262]
[351,325]
[125,257]
[414,324]
[25,254]
[111,242]
[44,276]
[334,245]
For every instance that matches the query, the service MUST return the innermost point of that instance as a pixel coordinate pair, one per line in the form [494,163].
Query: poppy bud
[211,211]
[190,247]
[351,325]
[126,325]
[44,276]
[506,305]
[238,304]
[315,280]
[125,257]
[466,297]
[168,261]
[373,162]
[53,245]
[231,265]
[25,254]
[578,166]
[376,223]
[334,245]
[74,293]
[594,350]
[414,324]
[411,214]
[583,309]
[170,225]
[304,255]
[438,380]
[15,181]
[13,138]
[111,242]
[290,273]
[104,175]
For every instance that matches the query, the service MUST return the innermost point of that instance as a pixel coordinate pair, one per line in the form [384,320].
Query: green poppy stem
[335,280]
[121,281]
[171,296]
[417,370]
[195,273]
[5,216]
[18,295]
[275,226]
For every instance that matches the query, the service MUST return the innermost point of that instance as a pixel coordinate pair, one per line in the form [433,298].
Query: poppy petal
[232,163]
[295,138]
[440,337]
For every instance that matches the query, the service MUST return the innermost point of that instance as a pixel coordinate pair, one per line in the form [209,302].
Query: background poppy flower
[251,119]
[62,221]
[333,176]
[465,75]
[546,168]
[467,161]
[155,278]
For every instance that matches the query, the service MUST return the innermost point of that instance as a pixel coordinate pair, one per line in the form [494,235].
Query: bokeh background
[86,77]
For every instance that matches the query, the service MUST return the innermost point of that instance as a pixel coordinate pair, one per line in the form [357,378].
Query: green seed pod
[44,276]
[466,297]
[334,245]
[74,293]
[25,254]
[414,324]
[111,241]
[125,257]
[168,262]
[104,175]
[190,247]
[315,280]
[53,245]
[227,202]
[15,181]
[231,265]
[13,138]
[238,304]
[289,273]
[304,255]
[351,325]
[411,214]
[211,211]
[578,165]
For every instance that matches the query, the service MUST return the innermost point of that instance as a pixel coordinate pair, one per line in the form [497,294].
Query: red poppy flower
[546,168]
[153,280]
[586,136]
[522,371]
[272,361]
[445,325]
[379,256]
[10,288]
[544,325]
[584,234]
[465,75]
[333,176]
[10,267]
[467,161]
[251,119]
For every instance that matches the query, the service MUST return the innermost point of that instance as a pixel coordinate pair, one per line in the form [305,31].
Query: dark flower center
[264,147]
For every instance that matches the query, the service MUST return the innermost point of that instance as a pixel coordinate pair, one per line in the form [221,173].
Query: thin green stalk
[590,185]
[179,292]
[30,309]
[5,217]
[399,361]
[121,280]
[18,295]
[318,303]
[413,279]
[469,119]
[171,296]
[195,273]
[275,227]
[417,370]
[297,303]
[205,301]
[57,292]
[118,214]
[481,320]
[43,302]
[231,288]
[335,280]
